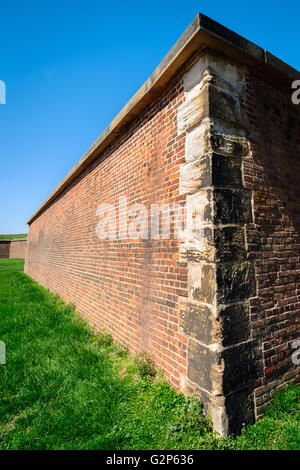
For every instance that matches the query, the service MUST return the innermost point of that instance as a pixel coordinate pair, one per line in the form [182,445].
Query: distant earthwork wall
[13,248]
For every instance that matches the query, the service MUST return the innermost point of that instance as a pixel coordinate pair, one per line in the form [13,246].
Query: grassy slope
[13,237]
[65,388]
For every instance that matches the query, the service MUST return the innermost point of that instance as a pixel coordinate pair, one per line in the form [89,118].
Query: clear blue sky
[70,66]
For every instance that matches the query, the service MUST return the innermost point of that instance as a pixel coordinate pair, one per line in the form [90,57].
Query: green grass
[14,236]
[64,387]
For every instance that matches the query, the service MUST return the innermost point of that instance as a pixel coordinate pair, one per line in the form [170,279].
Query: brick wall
[4,248]
[128,287]
[224,358]
[271,172]
[217,308]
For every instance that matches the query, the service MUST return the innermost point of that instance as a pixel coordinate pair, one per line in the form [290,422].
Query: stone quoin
[214,128]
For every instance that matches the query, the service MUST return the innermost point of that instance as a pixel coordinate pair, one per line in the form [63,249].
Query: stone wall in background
[13,248]
[4,248]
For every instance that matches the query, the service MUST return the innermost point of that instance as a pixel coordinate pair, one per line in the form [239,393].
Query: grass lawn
[63,387]
[13,237]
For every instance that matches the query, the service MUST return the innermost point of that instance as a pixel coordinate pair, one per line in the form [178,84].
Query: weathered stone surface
[193,111]
[225,411]
[210,170]
[213,135]
[199,246]
[222,360]
[219,417]
[228,145]
[232,206]
[225,371]
[231,77]
[194,244]
[190,388]
[197,141]
[222,105]
[195,320]
[200,364]
[202,282]
[195,175]
[199,209]
[235,282]
[208,101]
[225,73]
[229,243]
[207,243]
[224,282]
[226,171]
[235,323]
